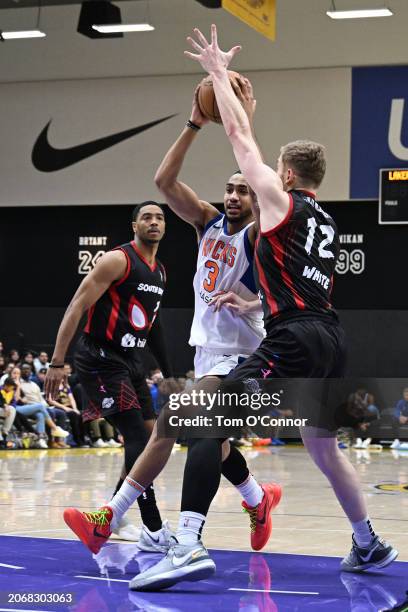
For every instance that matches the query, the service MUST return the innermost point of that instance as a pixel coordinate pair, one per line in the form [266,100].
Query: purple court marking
[269,582]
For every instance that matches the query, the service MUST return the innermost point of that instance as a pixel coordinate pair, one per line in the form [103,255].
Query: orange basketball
[206,97]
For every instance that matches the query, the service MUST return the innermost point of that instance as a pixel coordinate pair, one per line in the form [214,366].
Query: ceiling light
[130,27]
[360,14]
[100,12]
[22,34]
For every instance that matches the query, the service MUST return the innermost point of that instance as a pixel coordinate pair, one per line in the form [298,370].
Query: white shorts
[208,363]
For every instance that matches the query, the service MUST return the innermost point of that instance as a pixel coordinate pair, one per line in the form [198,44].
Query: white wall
[292,104]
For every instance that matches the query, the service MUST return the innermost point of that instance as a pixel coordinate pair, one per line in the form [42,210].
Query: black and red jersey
[124,314]
[295,262]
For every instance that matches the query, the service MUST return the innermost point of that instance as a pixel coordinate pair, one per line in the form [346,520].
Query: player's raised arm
[179,196]
[108,269]
[273,201]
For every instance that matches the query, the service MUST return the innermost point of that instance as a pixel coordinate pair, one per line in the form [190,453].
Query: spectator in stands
[7,410]
[7,372]
[153,383]
[34,394]
[95,429]
[14,356]
[66,401]
[39,378]
[28,357]
[400,417]
[72,378]
[1,348]
[360,412]
[41,361]
[30,402]
[2,364]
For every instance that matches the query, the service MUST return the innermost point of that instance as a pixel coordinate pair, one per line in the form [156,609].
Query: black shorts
[310,355]
[297,349]
[112,382]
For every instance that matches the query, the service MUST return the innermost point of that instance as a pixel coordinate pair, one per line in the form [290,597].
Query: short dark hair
[251,191]
[138,208]
[9,382]
[308,160]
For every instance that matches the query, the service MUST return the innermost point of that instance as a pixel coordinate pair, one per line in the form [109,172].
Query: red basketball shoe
[92,528]
[260,516]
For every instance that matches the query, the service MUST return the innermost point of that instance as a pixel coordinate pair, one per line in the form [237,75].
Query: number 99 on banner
[353,261]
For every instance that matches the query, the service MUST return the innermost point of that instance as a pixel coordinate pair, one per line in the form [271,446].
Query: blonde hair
[307,159]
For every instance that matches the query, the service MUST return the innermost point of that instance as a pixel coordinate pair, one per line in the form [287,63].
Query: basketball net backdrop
[259,14]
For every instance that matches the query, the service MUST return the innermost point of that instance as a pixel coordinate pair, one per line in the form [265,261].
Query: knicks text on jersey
[224,263]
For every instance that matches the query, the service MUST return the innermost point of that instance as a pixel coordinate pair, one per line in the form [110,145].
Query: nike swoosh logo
[261,521]
[47,158]
[178,561]
[366,558]
[156,541]
[98,535]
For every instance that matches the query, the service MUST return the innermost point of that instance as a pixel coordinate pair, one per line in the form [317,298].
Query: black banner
[46,251]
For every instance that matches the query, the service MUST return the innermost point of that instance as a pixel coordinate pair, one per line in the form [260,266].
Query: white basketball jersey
[225,263]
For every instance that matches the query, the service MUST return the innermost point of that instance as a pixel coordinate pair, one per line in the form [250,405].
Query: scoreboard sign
[393,201]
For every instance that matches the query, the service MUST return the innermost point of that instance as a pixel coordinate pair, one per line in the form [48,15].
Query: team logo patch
[107,402]
[252,385]
[393,487]
[128,341]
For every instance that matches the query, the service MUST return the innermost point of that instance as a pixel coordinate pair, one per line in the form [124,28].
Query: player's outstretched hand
[230,300]
[197,116]
[209,55]
[52,382]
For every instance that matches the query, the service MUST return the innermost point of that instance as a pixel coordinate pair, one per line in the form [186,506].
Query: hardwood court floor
[35,486]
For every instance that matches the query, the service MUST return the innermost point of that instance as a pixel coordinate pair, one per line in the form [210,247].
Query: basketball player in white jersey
[224,262]
[223,335]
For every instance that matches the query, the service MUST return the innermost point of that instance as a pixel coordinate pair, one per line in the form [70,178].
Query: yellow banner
[259,14]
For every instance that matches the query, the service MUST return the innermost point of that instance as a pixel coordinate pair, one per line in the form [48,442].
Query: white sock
[251,491]
[190,527]
[124,498]
[363,532]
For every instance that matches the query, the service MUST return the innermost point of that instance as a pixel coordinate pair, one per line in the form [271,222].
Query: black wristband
[193,126]
[53,365]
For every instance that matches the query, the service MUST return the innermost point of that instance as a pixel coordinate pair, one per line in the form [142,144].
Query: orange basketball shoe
[92,528]
[260,516]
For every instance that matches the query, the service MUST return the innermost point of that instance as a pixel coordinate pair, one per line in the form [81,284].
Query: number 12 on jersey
[327,231]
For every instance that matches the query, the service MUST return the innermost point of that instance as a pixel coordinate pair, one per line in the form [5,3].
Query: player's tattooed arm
[108,269]
[181,198]
[235,303]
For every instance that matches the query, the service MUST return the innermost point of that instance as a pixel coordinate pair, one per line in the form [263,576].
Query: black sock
[202,475]
[131,425]
[235,468]
[148,509]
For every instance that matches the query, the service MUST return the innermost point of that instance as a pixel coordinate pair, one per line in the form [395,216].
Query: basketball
[206,97]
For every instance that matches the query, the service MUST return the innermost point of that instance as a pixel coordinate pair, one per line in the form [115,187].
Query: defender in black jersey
[122,295]
[295,264]
[296,254]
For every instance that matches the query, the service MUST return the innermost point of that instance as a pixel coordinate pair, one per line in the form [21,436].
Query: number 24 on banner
[259,14]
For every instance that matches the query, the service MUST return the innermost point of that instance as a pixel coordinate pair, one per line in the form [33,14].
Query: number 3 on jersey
[213,271]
